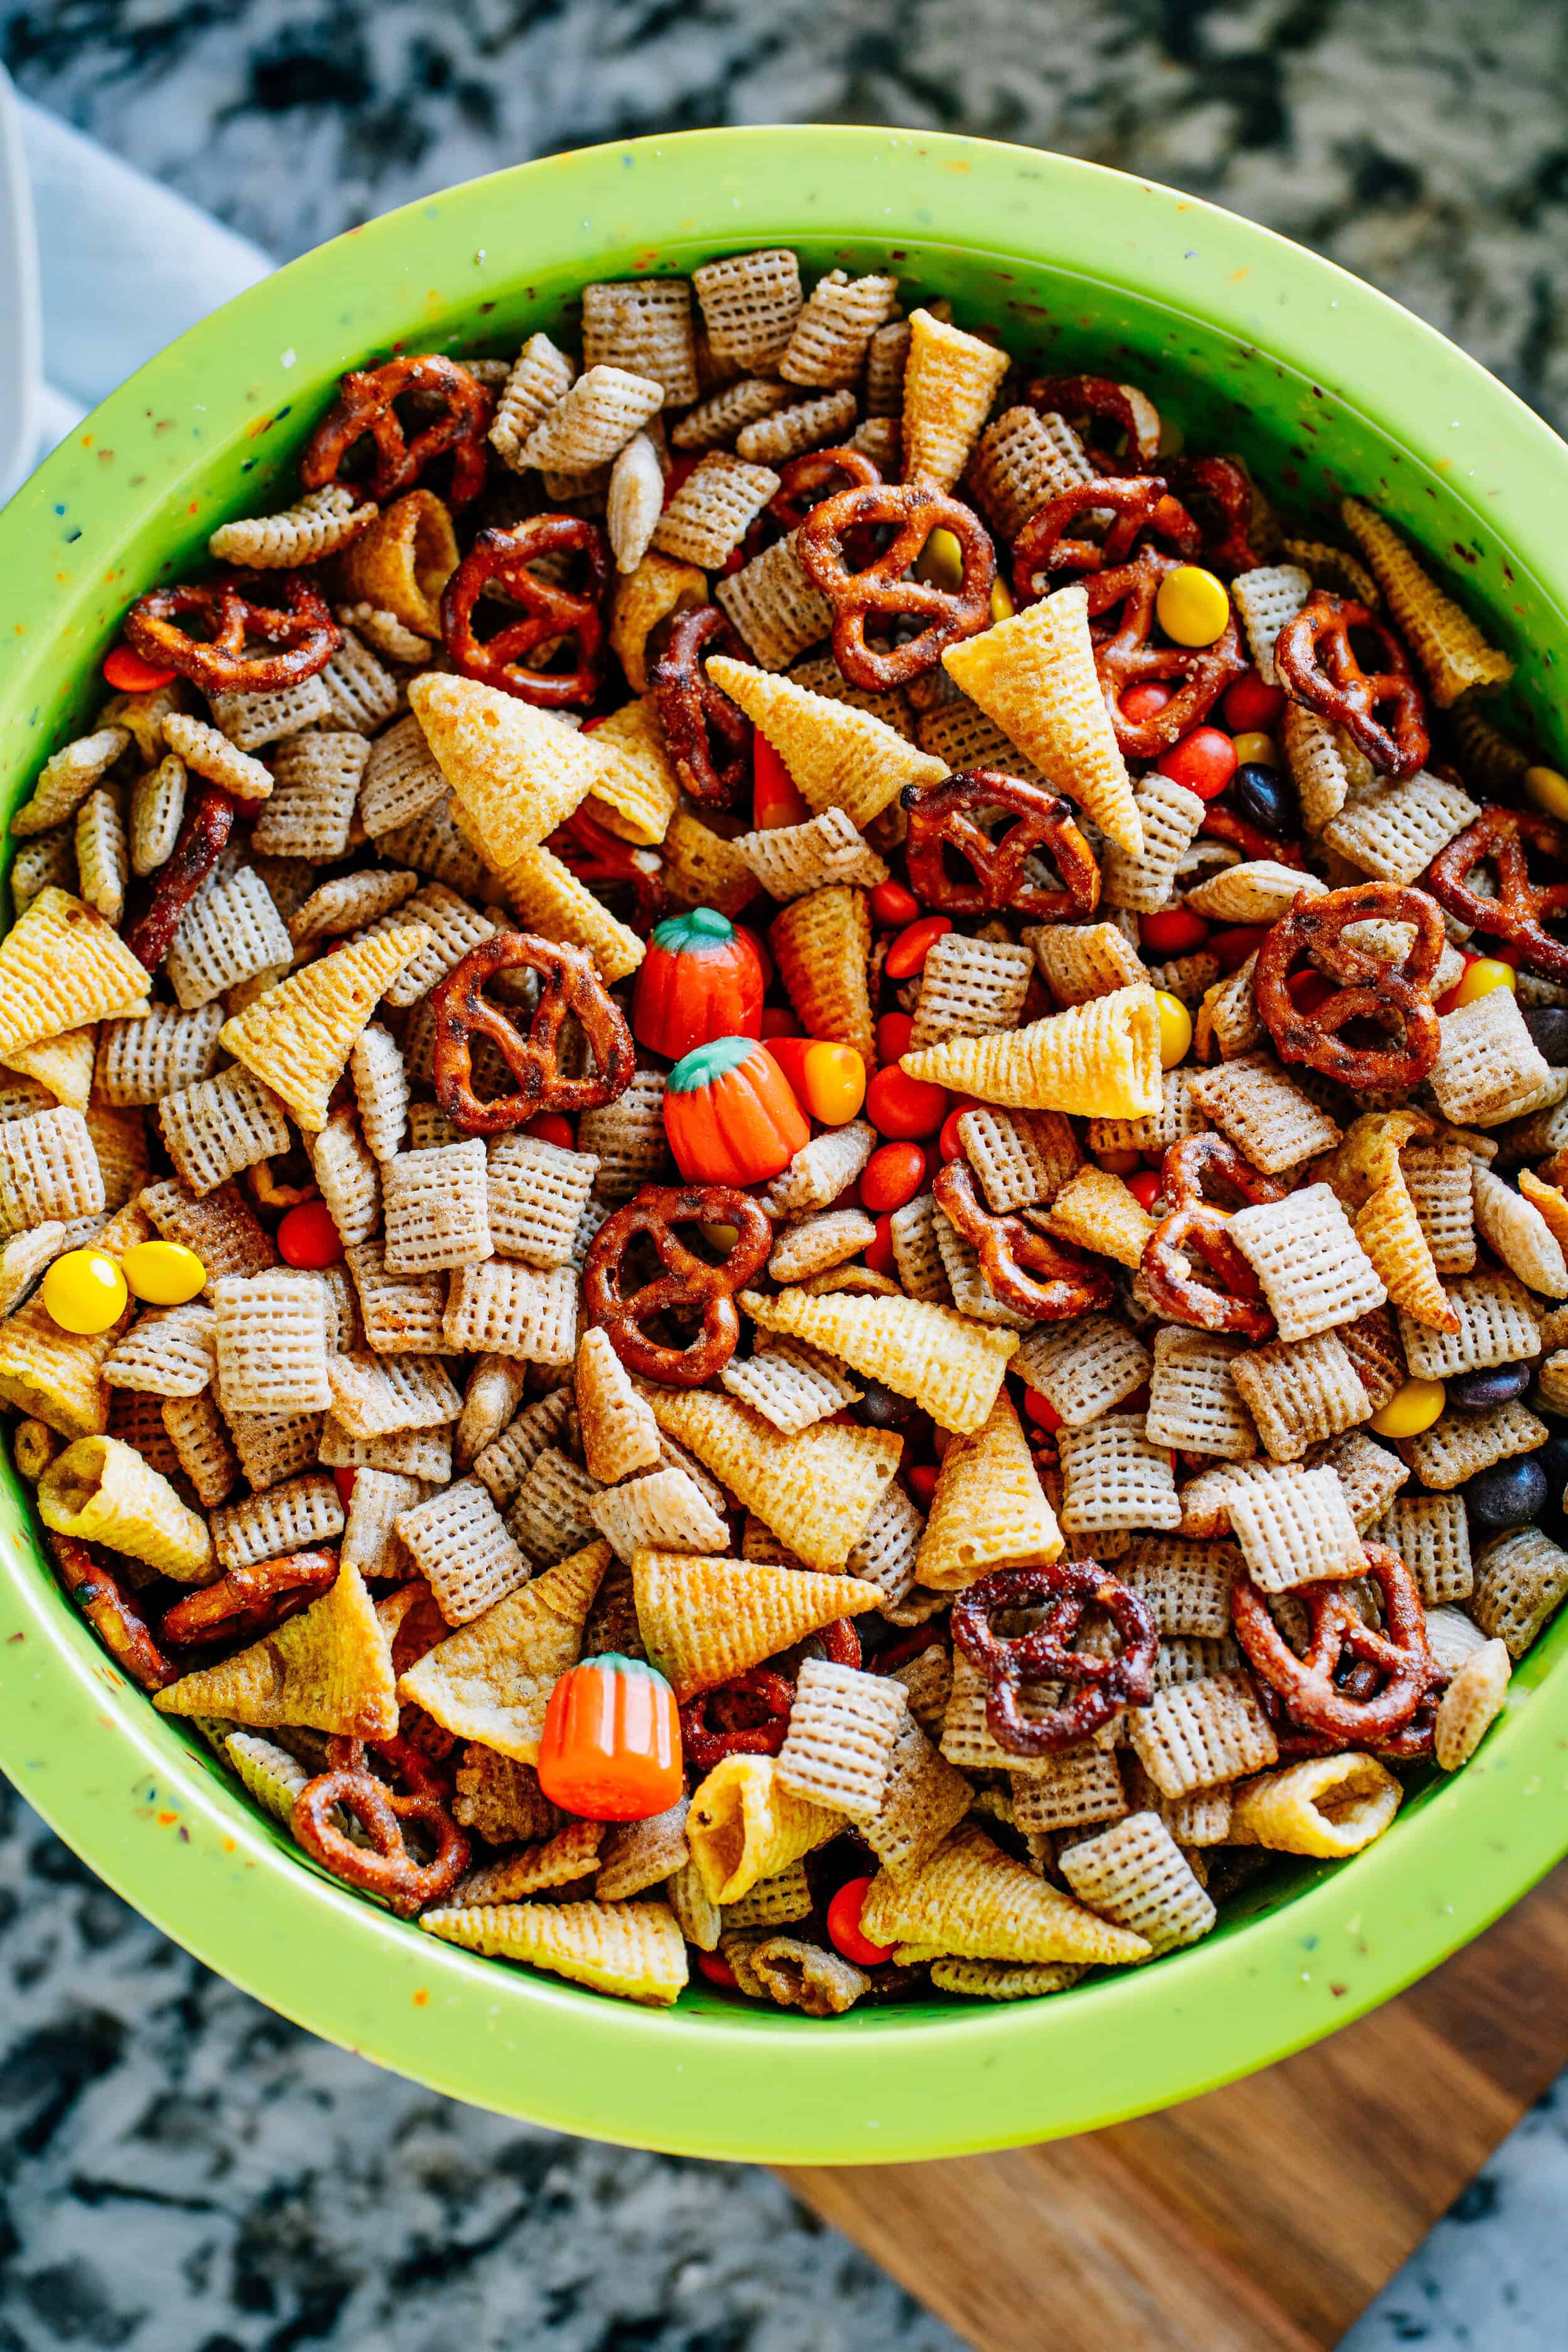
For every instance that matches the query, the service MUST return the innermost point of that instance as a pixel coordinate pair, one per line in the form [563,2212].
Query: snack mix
[783,1157]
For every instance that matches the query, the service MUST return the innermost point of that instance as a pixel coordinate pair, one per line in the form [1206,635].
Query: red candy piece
[844,1926]
[1205,761]
[308,1236]
[1250,707]
[128,674]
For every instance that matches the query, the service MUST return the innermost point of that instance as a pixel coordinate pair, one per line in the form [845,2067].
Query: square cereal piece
[828,1238]
[166,1353]
[913,1231]
[549,1514]
[1264,1113]
[969,988]
[381,1090]
[1083,1367]
[370,1542]
[886,1551]
[925,1800]
[791,1385]
[377,1396]
[422,1453]
[832,332]
[1195,1735]
[1295,1528]
[1136,1874]
[142,1061]
[503,1308]
[1112,1477]
[1438,1179]
[1371,1475]
[315,785]
[202,1448]
[48,1170]
[1304,1251]
[363,694]
[1080,961]
[1431,1533]
[270,1341]
[1397,833]
[790,861]
[1095,1210]
[779,612]
[400,779]
[433,844]
[1195,1658]
[1462,1444]
[436,1207]
[1021,1158]
[627,1138]
[1300,1391]
[402,1313]
[643,326]
[821,1169]
[1170,817]
[1193,1403]
[713,510]
[1521,1579]
[292,1517]
[537,1193]
[971,1292]
[218,1126]
[220,1228]
[1497,1325]
[455,928]
[750,303]
[230,931]
[1177,1115]
[459,1544]
[1187,1585]
[663,1511]
[1488,1066]
[1082,1788]
[1372,1343]
[843,1727]
[506,1460]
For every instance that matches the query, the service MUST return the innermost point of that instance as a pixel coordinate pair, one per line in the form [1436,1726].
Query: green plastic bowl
[1258,346]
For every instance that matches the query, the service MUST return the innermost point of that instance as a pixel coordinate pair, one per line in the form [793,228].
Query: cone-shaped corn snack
[62,966]
[1101,1059]
[950,1365]
[817,1490]
[103,1491]
[64,1065]
[971,1899]
[1330,1805]
[619,1431]
[839,757]
[1444,639]
[635,1949]
[517,772]
[744,1826]
[950,382]
[552,902]
[704,1619]
[491,1680]
[637,785]
[821,944]
[297,1037]
[988,1507]
[330,1668]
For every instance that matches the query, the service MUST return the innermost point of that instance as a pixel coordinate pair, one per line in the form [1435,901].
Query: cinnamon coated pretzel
[1500,837]
[502,558]
[1136,503]
[365,404]
[913,510]
[752,1710]
[707,737]
[1395,998]
[203,836]
[1319,667]
[804,482]
[1123,602]
[281,608]
[386,1867]
[1194,1225]
[1222,487]
[1101,1686]
[1323,1690]
[1025,1270]
[249,1602]
[689,1285]
[943,816]
[568,983]
[1078,398]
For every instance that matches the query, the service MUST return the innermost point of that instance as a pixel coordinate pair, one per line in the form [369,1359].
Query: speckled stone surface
[179,2170]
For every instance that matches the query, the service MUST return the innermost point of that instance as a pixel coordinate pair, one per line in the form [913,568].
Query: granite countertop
[181,2171]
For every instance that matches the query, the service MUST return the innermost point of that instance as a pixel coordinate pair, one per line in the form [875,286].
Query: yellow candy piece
[1256,749]
[163,1274]
[940,562]
[1548,791]
[1192,605]
[1410,1410]
[1175,1029]
[1002,605]
[1481,977]
[85,1291]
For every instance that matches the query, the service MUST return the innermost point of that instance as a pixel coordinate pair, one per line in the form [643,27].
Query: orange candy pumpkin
[701,979]
[610,1751]
[731,1115]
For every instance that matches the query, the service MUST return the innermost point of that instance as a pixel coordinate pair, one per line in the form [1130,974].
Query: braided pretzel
[1317,1700]
[596,854]
[1136,503]
[1125,658]
[97,1595]
[386,1867]
[762,1693]
[802,482]
[1396,998]
[1082,397]
[366,404]
[1225,487]
[1102,1687]
[289,615]
[1516,914]
[249,1602]
[913,510]
[203,836]
[1028,1272]
[687,1284]
[1319,664]
[568,983]
[695,713]
[553,613]
[940,819]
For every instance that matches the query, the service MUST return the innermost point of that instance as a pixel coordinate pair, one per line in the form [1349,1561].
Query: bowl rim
[709,2079]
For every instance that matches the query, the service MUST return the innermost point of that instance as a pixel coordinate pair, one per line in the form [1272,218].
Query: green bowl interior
[1254,346]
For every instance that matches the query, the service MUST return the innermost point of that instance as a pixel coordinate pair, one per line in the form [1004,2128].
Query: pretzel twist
[913,510]
[1500,837]
[292,616]
[804,482]
[1136,503]
[1395,998]
[688,1284]
[762,1693]
[502,558]
[202,837]
[1028,1272]
[1224,487]
[940,818]
[1102,1687]
[1222,823]
[707,737]
[98,1594]
[1321,668]
[1174,1288]
[596,854]
[365,404]
[387,1867]
[1362,1708]
[1123,602]
[570,982]
[249,1602]
[1079,398]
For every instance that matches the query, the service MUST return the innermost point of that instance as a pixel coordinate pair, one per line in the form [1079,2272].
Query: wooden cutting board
[1262,2218]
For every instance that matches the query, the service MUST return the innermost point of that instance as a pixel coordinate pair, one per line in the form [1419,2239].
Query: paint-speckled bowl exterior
[1254,345]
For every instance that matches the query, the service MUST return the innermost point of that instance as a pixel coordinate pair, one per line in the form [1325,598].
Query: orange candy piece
[610,1751]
